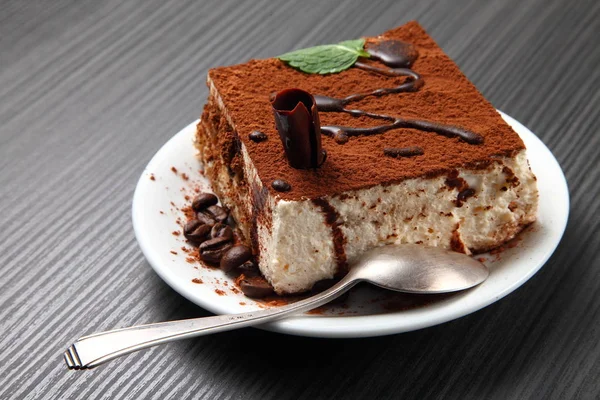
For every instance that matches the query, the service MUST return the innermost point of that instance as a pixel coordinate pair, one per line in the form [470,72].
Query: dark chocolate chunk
[217,213]
[255,287]
[257,136]
[221,230]
[403,151]
[204,200]
[463,196]
[281,186]
[235,256]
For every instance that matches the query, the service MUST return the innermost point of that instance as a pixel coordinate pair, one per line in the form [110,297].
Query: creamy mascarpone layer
[297,250]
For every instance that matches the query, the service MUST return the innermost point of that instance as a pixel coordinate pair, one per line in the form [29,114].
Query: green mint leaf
[328,58]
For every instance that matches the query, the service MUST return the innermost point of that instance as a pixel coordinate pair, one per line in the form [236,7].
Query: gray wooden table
[89,90]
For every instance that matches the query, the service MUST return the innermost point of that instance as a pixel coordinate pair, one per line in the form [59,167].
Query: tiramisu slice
[393,146]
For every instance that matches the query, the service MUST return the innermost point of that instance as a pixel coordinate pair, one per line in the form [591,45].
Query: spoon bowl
[413,268]
[405,268]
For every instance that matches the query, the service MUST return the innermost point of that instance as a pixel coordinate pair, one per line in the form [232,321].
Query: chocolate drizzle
[399,56]
[332,220]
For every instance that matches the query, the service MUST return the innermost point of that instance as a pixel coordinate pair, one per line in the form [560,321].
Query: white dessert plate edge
[160,195]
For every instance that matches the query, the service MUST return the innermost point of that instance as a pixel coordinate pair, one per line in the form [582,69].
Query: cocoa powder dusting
[447,97]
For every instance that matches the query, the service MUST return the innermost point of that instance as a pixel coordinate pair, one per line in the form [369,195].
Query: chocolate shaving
[297,121]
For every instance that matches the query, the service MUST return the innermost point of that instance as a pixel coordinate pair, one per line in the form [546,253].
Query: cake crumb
[184,176]
[152,178]
[173,252]
[220,292]
[242,303]
[197,280]
[174,169]
[176,233]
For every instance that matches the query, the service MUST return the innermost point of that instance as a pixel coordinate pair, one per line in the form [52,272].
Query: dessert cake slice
[413,154]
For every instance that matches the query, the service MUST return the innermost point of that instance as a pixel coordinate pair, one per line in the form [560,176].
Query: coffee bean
[281,185]
[256,287]
[205,218]
[204,200]
[191,226]
[213,256]
[235,256]
[214,243]
[257,136]
[221,230]
[248,268]
[217,213]
[230,221]
[212,250]
[196,232]
[200,234]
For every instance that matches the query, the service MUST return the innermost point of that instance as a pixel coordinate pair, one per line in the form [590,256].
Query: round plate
[175,172]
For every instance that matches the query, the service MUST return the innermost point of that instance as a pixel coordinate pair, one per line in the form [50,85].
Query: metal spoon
[405,268]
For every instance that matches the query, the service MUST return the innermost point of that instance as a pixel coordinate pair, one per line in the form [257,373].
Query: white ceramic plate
[160,194]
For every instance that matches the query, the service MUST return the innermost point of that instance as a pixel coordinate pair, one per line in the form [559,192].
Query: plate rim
[363,325]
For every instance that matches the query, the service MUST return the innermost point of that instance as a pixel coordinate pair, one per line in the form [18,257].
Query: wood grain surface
[90,90]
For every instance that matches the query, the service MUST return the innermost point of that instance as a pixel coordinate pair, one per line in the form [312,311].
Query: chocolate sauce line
[341,134]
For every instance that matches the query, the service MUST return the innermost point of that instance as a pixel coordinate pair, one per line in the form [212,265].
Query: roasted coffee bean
[221,230]
[200,234]
[203,201]
[230,221]
[205,218]
[213,256]
[213,249]
[248,268]
[235,256]
[217,213]
[190,226]
[214,243]
[255,287]
[281,186]
[196,232]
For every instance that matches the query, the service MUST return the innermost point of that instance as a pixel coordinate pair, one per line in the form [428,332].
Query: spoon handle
[93,350]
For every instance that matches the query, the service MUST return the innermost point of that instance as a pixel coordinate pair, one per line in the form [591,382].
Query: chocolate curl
[297,122]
